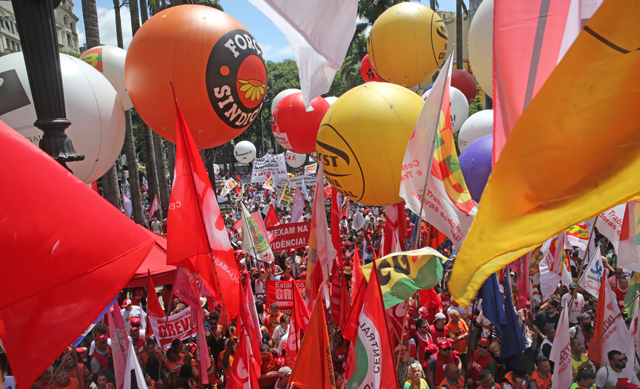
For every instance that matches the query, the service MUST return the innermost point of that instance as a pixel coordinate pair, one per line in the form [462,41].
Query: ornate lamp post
[37,29]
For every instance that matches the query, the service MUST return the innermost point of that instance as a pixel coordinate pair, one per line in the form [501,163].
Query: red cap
[134,320]
[139,292]
[192,347]
[126,302]
[625,383]
[432,348]
[292,251]
[484,342]
[101,338]
[444,343]
[134,330]
[408,219]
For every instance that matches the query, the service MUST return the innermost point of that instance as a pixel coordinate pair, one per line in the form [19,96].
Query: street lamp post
[37,29]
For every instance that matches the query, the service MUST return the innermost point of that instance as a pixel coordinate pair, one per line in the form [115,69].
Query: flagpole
[614,319]
[404,322]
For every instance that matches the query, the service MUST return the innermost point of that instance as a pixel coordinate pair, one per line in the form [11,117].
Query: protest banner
[178,326]
[289,236]
[273,165]
[281,292]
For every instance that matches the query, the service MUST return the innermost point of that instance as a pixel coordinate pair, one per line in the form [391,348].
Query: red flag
[350,329]
[154,308]
[335,224]
[297,325]
[240,377]
[345,307]
[196,229]
[186,287]
[154,206]
[55,252]
[327,191]
[395,228]
[246,324]
[272,217]
[436,238]
[314,367]
[238,177]
[336,291]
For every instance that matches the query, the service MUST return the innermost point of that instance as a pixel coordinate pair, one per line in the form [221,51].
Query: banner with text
[178,326]
[289,236]
[281,292]
[269,164]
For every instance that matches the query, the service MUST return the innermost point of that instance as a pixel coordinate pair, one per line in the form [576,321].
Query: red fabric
[246,324]
[432,302]
[272,217]
[154,206]
[195,224]
[239,376]
[156,264]
[327,191]
[516,29]
[59,238]
[335,226]
[336,291]
[436,238]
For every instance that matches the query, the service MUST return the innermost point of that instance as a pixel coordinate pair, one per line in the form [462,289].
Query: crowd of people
[441,346]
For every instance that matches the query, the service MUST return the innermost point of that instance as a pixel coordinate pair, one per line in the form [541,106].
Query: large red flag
[313,367]
[245,322]
[240,376]
[272,217]
[395,229]
[350,329]
[66,253]
[336,291]
[154,308]
[297,325]
[195,228]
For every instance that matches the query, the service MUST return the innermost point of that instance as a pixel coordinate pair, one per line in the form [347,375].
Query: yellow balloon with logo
[363,138]
[408,44]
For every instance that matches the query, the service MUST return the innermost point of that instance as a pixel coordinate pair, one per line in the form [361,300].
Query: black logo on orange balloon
[236,78]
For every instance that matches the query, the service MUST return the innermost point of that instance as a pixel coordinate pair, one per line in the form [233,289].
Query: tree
[90,18]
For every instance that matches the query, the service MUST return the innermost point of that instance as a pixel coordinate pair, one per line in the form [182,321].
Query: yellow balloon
[362,140]
[407,44]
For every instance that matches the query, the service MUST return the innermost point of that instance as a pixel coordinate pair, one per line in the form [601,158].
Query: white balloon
[331,99]
[295,159]
[112,64]
[459,107]
[281,96]
[244,152]
[97,117]
[478,125]
[481,46]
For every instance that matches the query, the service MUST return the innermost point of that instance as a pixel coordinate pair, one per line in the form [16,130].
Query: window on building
[7,39]
[13,46]
[13,30]
[17,46]
[71,25]
[64,19]
[68,40]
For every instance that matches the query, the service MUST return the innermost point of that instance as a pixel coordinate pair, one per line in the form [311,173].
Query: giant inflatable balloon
[295,128]
[458,105]
[478,125]
[281,96]
[363,138]
[475,163]
[295,159]
[481,46]
[331,99]
[465,83]
[244,152]
[367,72]
[407,44]
[109,61]
[216,66]
[92,104]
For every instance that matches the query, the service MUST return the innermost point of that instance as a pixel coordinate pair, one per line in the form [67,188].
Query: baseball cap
[432,348]
[284,371]
[584,316]
[274,305]
[484,341]
[440,315]
[625,383]
[134,330]
[292,251]
[444,343]
[101,338]
[126,302]
[572,285]
[134,320]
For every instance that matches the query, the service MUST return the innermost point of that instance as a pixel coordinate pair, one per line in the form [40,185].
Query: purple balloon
[475,163]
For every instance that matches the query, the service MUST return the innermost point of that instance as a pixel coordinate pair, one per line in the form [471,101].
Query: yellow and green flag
[402,273]
[581,114]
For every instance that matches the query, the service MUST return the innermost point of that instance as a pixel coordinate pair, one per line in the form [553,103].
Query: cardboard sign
[274,165]
[178,326]
[289,236]
[281,292]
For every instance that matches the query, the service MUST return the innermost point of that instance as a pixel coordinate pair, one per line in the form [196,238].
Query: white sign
[269,164]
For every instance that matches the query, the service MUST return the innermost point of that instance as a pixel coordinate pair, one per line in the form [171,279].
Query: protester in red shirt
[271,363]
[437,330]
[621,292]
[436,367]
[481,360]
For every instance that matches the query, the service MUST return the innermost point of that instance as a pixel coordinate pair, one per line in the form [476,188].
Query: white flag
[216,168]
[609,224]
[297,209]
[358,221]
[561,353]
[628,249]
[592,274]
[319,33]
[552,266]
[133,366]
[126,204]
[438,209]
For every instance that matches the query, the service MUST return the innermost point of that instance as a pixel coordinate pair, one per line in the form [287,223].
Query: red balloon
[293,127]
[367,71]
[464,82]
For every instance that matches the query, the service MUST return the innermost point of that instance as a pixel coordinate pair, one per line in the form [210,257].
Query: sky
[273,42]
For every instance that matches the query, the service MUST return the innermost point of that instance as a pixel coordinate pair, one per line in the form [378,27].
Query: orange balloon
[216,66]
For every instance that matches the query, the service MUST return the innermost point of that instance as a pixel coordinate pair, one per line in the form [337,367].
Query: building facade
[66,29]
